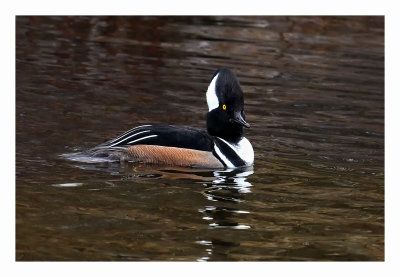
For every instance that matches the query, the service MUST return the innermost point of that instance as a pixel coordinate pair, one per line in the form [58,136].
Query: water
[314,96]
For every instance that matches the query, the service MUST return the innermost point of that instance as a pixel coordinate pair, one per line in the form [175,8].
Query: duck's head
[225,117]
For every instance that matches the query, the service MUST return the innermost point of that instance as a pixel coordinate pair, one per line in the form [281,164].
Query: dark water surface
[314,95]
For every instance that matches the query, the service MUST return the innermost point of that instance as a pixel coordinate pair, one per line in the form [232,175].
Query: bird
[221,145]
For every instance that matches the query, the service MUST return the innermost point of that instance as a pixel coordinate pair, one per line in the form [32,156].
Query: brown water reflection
[314,94]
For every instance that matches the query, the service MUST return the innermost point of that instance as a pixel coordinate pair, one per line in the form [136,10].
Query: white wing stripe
[152,136]
[127,132]
[118,142]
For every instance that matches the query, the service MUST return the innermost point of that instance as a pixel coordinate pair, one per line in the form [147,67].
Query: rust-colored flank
[156,154]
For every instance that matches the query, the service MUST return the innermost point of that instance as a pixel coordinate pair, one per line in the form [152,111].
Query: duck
[221,145]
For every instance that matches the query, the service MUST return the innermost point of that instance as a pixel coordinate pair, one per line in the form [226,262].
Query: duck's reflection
[233,180]
[225,193]
[230,186]
[223,207]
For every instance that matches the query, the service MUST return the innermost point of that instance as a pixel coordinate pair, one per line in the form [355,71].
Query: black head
[225,118]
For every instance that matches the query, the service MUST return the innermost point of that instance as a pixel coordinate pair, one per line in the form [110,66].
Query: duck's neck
[220,126]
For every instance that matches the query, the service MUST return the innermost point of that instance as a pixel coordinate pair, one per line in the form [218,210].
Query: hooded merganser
[222,145]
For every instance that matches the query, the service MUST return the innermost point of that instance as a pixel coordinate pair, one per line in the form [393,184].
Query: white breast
[245,151]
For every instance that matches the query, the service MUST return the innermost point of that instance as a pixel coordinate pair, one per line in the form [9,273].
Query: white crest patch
[212,99]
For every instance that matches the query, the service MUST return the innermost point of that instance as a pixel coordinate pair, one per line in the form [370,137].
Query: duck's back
[171,145]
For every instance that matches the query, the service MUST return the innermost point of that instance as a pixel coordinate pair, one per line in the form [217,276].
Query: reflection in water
[230,186]
[235,177]
[224,193]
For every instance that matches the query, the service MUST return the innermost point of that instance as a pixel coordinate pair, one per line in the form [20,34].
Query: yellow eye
[224,107]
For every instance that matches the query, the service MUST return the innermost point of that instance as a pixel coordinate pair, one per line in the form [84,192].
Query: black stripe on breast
[229,153]
[218,157]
